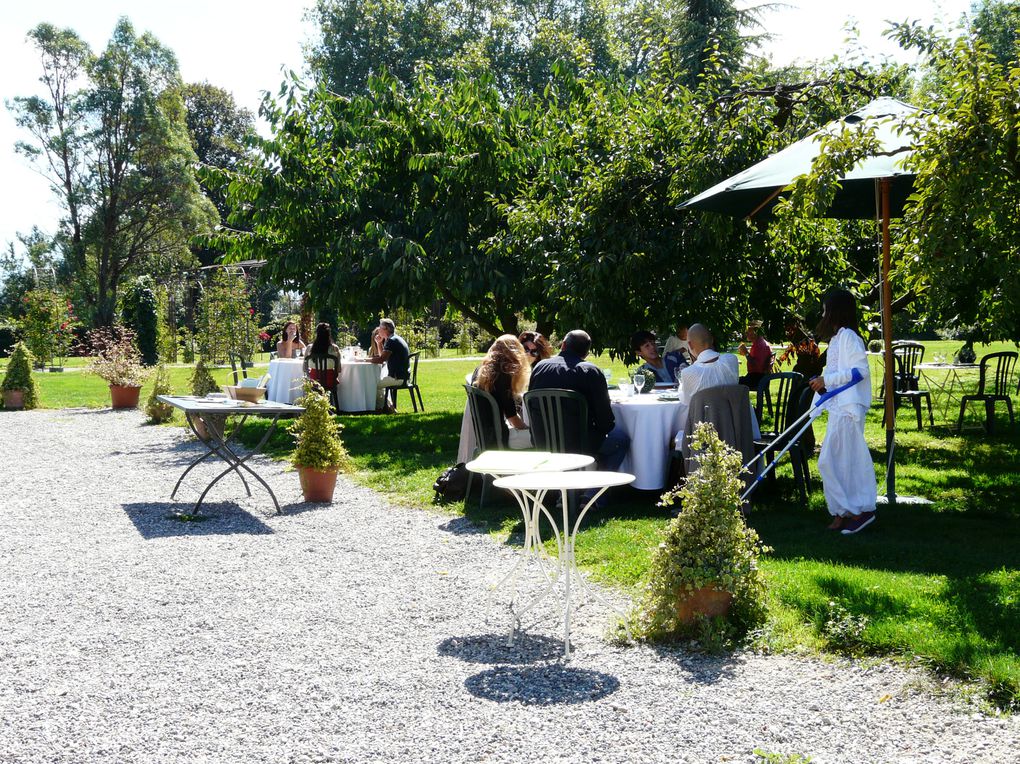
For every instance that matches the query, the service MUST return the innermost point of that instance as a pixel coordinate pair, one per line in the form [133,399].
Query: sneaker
[836,524]
[858,523]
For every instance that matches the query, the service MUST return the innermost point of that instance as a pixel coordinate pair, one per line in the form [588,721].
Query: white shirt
[675,343]
[846,352]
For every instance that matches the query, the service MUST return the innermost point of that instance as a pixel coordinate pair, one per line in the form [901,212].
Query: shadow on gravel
[701,668]
[492,648]
[462,526]
[162,519]
[550,685]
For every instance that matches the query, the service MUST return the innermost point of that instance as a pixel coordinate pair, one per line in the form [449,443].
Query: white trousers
[848,474]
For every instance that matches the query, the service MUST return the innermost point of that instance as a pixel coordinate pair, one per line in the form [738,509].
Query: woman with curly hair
[504,374]
[536,347]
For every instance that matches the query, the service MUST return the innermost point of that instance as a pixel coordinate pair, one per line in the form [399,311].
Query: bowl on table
[249,394]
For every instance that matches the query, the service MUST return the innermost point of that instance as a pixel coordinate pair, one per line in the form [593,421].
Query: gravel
[358,632]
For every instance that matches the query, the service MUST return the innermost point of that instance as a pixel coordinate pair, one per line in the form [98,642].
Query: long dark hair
[839,309]
[323,340]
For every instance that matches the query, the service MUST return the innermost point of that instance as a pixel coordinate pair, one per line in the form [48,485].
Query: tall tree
[122,160]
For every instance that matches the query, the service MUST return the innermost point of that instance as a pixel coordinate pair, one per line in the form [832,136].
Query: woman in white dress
[848,474]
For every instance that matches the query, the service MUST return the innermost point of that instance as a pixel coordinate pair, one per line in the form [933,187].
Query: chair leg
[420,401]
[963,409]
[414,403]
[989,416]
[485,490]
[1009,408]
[798,474]
[931,419]
[467,493]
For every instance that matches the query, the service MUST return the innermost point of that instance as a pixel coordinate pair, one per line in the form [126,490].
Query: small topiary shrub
[158,411]
[202,382]
[19,376]
[318,434]
[707,545]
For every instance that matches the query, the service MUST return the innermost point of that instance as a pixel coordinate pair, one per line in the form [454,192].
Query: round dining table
[286,378]
[651,424]
[359,383]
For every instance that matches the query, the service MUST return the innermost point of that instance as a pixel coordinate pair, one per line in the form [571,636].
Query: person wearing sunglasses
[536,347]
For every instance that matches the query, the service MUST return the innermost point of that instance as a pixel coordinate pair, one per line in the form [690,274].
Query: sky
[243,46]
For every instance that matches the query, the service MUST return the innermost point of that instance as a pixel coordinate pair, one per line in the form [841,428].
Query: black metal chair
[325,369]
[490,430]
[236,362]
[907,385]
[551,413]
[410,384]
[1001,382]
[785,392]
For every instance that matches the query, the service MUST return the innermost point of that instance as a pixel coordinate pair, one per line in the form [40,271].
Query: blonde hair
[506,356]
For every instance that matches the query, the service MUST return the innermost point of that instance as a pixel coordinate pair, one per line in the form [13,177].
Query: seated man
[759,356]
[569,371]
[677,342]
[710,369]
[643,345]
[390,349]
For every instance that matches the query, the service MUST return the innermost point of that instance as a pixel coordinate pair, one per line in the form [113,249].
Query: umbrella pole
[890,395]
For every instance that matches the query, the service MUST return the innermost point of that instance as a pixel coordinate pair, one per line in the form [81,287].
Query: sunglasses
[532,352]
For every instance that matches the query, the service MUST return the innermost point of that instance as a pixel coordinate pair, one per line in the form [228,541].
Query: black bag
[452,484]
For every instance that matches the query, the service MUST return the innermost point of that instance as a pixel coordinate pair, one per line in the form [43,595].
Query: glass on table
[639,381]
[626,389]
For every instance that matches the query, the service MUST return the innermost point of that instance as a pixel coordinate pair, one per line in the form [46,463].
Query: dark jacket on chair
[728,408]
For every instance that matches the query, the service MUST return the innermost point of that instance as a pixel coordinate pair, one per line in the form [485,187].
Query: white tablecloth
[286,377]
[651,424]
[358,384]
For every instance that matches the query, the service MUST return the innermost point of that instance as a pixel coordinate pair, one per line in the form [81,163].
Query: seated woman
[759,356]
[504,374]
[536,347]
[322,361]
[664,368]
[290,343]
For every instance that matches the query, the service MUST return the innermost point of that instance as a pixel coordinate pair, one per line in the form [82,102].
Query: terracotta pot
[199,423]
[317,485]
[707,601]
[14,399]
[124,397]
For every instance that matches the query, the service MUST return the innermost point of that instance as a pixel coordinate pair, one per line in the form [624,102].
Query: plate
[668,398]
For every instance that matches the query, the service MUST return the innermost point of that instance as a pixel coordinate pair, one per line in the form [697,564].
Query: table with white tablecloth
[651,425]
[286,378]
[359,382]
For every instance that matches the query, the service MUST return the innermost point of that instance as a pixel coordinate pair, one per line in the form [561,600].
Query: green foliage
[19,376]
[318,434]
[706,544]
[115,357]
[166,336]
[225,326]
[140,312]
[843,630]
[48,324]
[158,411]
[202,382]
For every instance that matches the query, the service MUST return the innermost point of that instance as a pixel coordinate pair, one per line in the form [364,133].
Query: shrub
[19,376]
[158,411]
[318,434]
[202,382]
[140,310]
[48,325]
[116,358]
[706,545]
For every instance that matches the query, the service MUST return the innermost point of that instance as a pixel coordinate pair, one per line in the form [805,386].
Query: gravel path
[357,632]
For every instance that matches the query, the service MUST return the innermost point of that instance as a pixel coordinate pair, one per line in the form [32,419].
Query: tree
[118,154]
[997,23]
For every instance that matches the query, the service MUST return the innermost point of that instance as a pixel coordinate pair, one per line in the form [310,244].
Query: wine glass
[639,381]
[677,372]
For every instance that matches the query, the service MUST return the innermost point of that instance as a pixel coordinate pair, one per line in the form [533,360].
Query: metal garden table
[214,413]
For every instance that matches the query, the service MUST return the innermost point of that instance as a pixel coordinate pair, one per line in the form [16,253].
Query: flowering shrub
[48,325]
[116,358]
[706,545]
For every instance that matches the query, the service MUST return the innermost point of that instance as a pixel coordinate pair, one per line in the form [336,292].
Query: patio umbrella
[877,187]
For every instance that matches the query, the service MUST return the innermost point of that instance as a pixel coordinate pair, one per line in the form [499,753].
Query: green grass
[938,584]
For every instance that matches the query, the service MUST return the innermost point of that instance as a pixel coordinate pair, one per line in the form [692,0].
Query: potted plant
[19,385]
[158,411]
[320,454]
[706,567]
[116,360]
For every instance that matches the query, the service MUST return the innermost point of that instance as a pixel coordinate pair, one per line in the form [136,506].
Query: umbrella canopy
[876,187]
[755,191]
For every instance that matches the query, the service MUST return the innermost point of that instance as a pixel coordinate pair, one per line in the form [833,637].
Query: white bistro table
[651,424]
[286,377]
[359,383]
[214,413]
[946,380]
[530,489]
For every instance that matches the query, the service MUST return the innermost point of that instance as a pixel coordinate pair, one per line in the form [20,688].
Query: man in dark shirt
[391,350]
[569,371]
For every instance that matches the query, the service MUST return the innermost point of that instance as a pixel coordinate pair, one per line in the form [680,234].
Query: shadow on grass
[167,519]
[548,685]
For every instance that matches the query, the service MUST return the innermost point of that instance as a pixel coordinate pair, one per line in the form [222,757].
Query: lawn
[939,583]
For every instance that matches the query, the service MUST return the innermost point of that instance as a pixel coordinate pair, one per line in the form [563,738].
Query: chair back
[558,421]
[782,388]
[486,420]
[412,377]
[1001,378]
[908,355]
[728,408]
[324,369]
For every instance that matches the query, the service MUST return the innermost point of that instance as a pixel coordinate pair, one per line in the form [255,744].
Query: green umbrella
[877,187]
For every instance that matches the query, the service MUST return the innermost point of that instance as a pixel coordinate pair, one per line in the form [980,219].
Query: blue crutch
[810,415]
